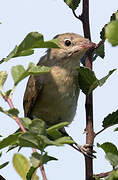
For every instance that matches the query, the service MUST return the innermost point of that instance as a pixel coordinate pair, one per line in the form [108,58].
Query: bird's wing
[33,89]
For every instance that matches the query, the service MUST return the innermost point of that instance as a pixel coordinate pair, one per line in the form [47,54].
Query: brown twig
[99,131]
[9,101]
[99,44]
[43,172]
[16,118]
[84,17]
[89,98]
[78,17]
[1,178]
[102,175]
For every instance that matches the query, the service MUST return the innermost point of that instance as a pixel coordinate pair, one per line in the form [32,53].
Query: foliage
[4,164]
[73,4]
[110,30]
[31,41]
[37,135]
[88,81]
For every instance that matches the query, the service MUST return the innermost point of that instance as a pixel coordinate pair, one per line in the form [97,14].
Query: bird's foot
[86,150]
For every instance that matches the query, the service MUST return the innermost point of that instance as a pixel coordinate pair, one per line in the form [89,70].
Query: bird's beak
[87,45]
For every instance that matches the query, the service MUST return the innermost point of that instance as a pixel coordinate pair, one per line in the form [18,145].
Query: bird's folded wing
[32,91]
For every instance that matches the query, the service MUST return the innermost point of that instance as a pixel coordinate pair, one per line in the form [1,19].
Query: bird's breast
[58,100]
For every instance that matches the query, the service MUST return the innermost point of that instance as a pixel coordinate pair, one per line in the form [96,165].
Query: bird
[53,96]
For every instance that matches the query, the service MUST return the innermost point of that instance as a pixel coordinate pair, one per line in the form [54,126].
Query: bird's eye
[67,42]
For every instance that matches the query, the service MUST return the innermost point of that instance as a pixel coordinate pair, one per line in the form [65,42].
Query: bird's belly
[58,100]
[56,107]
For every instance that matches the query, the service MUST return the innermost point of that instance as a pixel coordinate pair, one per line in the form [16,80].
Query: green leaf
[0,154]
[108,147]
[113,175]
[31,175]
[11,55]
[40,159]
[12,147]
[21,165]
[114,16]
[44,141]
[54,134]
[34,160]
[13,111]
[111,119]
[8,92]
[10,112]
[1,109]
[111,32]
[112,158]
[64,140]
[28,140]
[37,126]
[100,51]
[4,164]
[102,33]
[3,77]
[31,41]
[19,73]
[36,70]
[111,152]
[96,177]
[103,80]
[87,80]
[116,129]
[26,122]
[35,40]
[53,130]
[73,4]
[34,140]
[10,140]
[58,126]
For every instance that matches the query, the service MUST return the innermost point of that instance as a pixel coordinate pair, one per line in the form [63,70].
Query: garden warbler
[53,96]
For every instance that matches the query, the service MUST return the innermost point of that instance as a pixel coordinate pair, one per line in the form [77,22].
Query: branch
[9,101]
[99,44]
[102,175]
[43,172]
[78,17]
[1,177]
[41,169]
[99,131]
[84,17]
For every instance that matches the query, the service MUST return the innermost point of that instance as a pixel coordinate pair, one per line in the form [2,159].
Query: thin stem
[89,98]
[85,19]
[2,178]
[41,169]
[43,172]
[78,17]
[102,175]
[1,61]
[99,44]
[9,101]
[99,131]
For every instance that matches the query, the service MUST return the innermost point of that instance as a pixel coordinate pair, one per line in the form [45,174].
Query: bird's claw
[87,150]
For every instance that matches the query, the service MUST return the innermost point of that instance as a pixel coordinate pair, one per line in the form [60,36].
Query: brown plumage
[53,96]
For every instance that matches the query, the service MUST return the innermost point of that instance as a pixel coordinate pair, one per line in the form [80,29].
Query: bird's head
[72,48]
